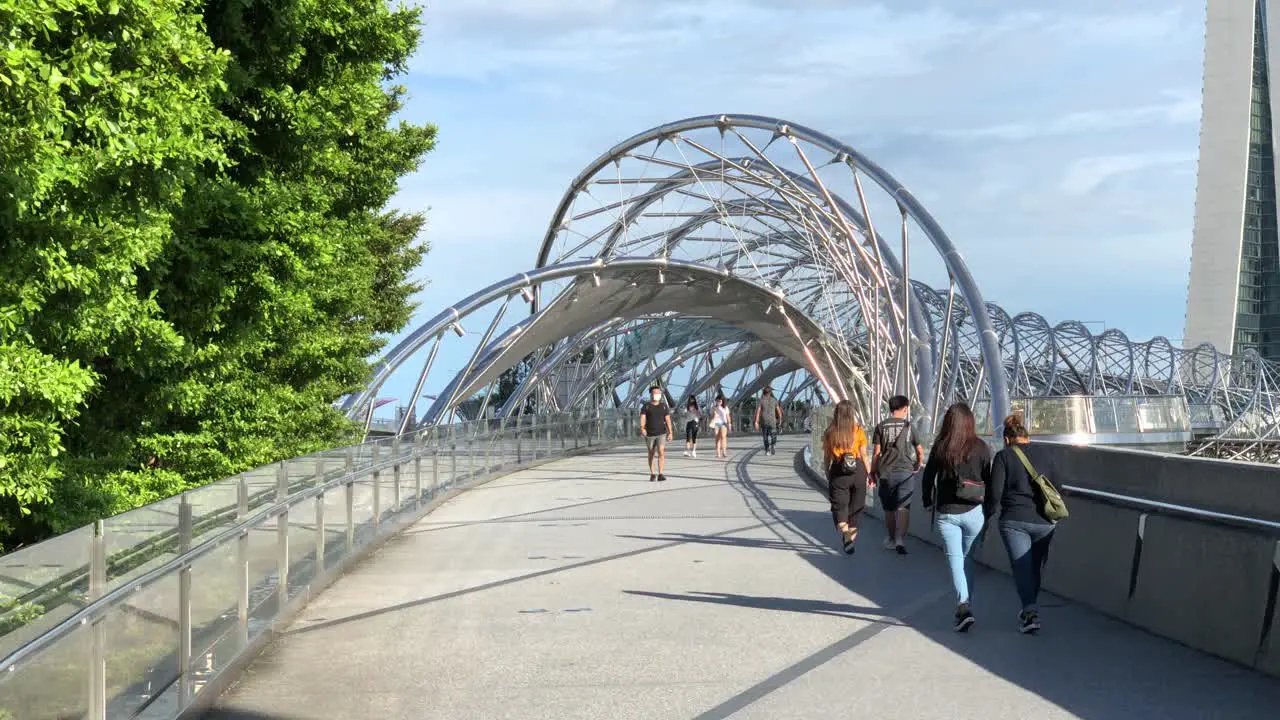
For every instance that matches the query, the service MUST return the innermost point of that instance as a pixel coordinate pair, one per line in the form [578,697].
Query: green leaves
[191,224]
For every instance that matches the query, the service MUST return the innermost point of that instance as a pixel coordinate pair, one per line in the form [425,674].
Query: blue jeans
[770,435]
[1028,547]
[958,535]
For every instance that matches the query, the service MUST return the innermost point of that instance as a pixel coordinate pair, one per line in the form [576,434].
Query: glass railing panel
[215,606]
[141,540]
[213,509]
[262,557]
[1104,415]
[42,585]
[53,686]
[302,545]
[141,641]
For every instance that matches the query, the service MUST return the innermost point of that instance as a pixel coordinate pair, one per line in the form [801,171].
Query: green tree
[109,113]
[509,380]
[273,272]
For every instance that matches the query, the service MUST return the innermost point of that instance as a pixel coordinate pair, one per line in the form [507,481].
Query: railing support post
[242,563]
[282,539]
[395,476]
[349,498]
[453,456]
[184,605]
[320,529]
[471,458]
[435,469]
[417,471]
[97,636]
[377,492]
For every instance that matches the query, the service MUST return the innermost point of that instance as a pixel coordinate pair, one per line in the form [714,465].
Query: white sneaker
[693,454]
[889,544]
[686,453]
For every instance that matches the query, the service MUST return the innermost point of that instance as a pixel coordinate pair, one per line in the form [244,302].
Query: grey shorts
[655,441]
[895,490]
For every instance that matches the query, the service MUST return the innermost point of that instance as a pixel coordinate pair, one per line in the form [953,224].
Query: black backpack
[966,489]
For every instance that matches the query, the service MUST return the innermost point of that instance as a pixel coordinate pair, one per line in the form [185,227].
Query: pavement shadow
[784,604]
[1088,664]
[233,714]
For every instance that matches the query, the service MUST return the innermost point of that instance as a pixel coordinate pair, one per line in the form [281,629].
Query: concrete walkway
[580,590]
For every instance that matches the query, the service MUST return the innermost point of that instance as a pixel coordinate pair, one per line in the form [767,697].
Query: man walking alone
[896,456]
[655,427]
[768,417]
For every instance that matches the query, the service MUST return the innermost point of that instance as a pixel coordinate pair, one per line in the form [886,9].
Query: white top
[694,414]
[721,415]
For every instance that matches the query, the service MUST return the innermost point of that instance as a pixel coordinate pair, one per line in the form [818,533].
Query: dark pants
[770,435]
[848,494]
[896,489]
[691,432]
[1028,547]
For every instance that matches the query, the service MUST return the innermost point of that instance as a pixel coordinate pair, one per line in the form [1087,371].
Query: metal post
[350,500]
[282,539]
[184,604]
[97,636]
[417,471]
[395,475]
[242,560]
[471,456]
[453,456]
[435,469]
[320,519]
[519,446]
[417,389]
[377,492]
[942,357]
[906,311]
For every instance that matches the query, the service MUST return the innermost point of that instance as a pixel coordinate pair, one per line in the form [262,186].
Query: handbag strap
[1025,462]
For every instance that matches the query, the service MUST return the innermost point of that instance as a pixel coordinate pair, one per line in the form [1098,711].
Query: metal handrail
[1199,514]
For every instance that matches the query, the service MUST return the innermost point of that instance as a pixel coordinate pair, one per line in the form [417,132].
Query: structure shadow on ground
[1090,665]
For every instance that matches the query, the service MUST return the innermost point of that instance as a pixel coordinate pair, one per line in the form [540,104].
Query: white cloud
[1086,174]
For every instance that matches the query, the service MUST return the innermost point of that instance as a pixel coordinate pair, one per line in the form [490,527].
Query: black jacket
[935,481]
[1011,490]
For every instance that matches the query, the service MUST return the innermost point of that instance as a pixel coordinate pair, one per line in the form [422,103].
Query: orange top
[859,444]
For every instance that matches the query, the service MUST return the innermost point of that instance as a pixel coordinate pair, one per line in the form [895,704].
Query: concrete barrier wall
[1209,586]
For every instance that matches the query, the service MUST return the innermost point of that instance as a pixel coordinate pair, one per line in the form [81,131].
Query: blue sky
[1055,142]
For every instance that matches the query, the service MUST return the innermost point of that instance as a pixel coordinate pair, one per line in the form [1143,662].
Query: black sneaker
[964,618]
[902,549]
[1028,622]
[849,548]
[652,478]
[662,478]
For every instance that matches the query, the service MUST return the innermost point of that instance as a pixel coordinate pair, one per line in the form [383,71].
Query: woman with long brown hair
[954,482]
[846,457]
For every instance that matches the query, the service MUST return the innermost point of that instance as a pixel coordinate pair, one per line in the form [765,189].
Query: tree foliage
[510,379]
[198,261]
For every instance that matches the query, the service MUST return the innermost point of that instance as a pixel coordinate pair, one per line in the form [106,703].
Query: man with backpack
[897,456]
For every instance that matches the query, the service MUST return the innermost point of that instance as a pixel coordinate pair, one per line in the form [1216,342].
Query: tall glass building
[1233,298]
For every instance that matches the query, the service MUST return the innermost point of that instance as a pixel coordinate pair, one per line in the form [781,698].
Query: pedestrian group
[963,483]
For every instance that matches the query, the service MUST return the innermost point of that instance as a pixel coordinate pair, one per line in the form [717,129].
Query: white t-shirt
[721,416]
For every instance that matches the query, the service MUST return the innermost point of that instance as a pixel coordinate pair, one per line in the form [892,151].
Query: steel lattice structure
[720,253]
